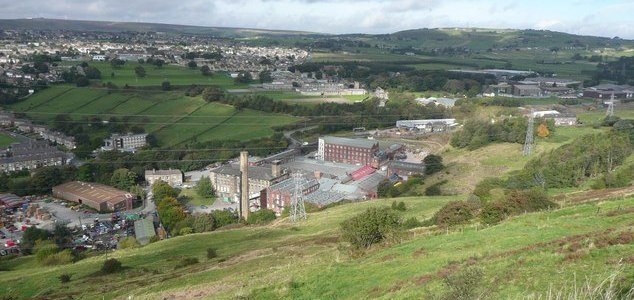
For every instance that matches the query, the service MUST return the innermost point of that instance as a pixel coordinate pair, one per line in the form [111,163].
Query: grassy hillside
[171,116]
[525,255]
[176,75]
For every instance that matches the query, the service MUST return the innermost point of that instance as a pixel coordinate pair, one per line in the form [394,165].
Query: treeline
[571,164]
[336,116]
[621,71]
[479,133]
[23,183]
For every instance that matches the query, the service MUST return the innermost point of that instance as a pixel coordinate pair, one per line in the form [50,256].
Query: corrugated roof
[93,191]
[144,230]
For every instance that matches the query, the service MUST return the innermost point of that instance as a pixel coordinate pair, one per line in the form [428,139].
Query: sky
[608,18]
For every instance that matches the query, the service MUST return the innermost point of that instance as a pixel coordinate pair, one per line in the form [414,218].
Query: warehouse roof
[93,191]
[358,143]
[163,172]
[255,172]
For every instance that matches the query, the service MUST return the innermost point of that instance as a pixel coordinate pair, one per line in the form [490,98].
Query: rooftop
[93,191]
[255,172]
[358,143]
[163,172]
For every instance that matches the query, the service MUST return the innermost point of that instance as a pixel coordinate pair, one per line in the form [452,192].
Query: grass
[194,199]
[175,119]
[6,140]
[176,75]
[519,256]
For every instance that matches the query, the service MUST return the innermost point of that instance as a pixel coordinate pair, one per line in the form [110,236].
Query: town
[149,160]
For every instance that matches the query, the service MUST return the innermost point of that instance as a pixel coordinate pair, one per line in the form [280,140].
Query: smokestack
[244,184]
[276,168]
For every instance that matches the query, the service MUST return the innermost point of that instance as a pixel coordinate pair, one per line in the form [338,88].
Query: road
[294,143]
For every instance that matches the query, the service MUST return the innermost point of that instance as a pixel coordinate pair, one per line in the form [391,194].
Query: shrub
[454,213]
[45,249]
[433,164]
[185,231]
[261,216]
[371,227]
[224,217]
[412,223]
[203,223]
[64,278]
[111,265]
[516,202]
[187,261]
[59,258]
[400,206]
[464,285]
[484,187]
[211,253]
[128,242]
[433,190]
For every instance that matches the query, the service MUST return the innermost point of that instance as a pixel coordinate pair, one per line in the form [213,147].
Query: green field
[525,255]
[194,199]
[176,75]
[174,118]
[6,140]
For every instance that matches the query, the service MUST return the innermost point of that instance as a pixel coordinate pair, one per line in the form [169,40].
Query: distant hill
[426,38]
[475,38]
[106,26]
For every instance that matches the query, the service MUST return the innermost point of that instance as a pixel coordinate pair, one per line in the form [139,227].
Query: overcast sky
[599,17]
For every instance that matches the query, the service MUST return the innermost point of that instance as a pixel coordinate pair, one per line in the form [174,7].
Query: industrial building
[607,91]
[171,177]
[429,125]
[346,150]
[226,179]
[125,142]
[98,196]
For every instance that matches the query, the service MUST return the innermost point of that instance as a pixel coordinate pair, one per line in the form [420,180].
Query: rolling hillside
[525,256]
[106,26]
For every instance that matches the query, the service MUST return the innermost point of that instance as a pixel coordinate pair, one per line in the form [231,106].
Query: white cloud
[609,18]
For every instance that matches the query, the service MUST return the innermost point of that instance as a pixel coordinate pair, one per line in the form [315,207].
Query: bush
[188,261]
[261,216]
[464,285]
[211,253]
[455,213]
[111,265]
[203,223]
[45,249]
[185,231]
[128,242]
[412,223]
[433,164]
[224,217]
[59,258]
[400,206]
[484,187]
[64,278]
[371,227]
[516,202]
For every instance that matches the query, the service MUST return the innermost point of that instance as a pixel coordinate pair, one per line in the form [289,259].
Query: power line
[297,209]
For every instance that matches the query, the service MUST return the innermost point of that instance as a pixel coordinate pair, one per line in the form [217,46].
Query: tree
[139,71]
[244,77]
[265,76]
[205,70]
[117,63]
[204,188]
[433,164]
[123,179]
[160,190]
[139,191]
[128,242]
[166,85]
[111,265]
[203,223]
[213,93]
[82,81]
[371,227]
[92,72]
[542,130]
[192,64]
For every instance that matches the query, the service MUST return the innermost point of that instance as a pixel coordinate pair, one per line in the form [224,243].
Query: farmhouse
[348,151]
[98,196]
[171,177]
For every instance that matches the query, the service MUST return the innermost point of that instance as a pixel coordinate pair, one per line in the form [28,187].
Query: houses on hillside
[125,142]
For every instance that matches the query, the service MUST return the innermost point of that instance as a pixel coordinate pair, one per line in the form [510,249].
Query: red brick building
[349,151]
[98,196]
